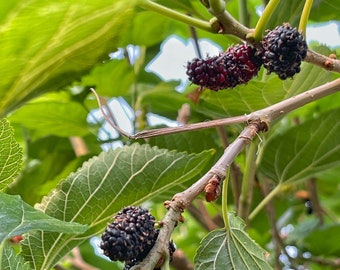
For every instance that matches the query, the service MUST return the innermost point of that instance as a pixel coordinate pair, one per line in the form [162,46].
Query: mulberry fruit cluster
[282,51]
[237,65]
[130,236]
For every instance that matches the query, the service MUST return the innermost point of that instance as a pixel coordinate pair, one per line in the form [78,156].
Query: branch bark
[181,200]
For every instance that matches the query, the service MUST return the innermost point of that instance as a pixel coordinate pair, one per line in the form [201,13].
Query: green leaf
[260,93]
[53,114]
[304,150]
[230,250]
[104,185]
[149,28]
[73,36]
[18,217]
[286,11]
[46,158]
[316,244]
[325,10]
[10,260]
[10,155]
[153,98]
[192,142]
[114,78]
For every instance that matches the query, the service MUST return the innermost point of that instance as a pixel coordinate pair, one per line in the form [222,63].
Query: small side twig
[327,62]
[202,216]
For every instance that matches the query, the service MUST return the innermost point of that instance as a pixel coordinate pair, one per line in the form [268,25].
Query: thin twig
[328,63]
[202,216]
[267,114]
[313,193]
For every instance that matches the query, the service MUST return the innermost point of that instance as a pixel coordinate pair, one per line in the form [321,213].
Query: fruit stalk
[304,17]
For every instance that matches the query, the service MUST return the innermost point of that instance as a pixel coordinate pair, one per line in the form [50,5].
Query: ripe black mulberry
[130,236]
[283,49]
[237,65]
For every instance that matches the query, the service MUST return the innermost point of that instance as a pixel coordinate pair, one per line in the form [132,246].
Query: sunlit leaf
[47,45]
[104,185]
[10,154]
[230,250]
[17,217]
[304,150]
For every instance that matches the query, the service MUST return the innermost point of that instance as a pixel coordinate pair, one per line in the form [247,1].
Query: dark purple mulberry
[283,49]
[237,65]
[130,236]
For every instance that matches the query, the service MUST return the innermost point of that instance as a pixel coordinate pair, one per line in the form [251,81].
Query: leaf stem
[304,16]
[173,14]
[262,22]
[264,202]
[225,200]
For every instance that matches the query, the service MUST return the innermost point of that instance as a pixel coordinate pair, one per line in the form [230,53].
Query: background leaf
[103,186]
[317,240]
[9,260]
[18,218]
[73,37]
[325,10]
[10,154]
[230,250]
[53,114]
[260,92]
[304,150]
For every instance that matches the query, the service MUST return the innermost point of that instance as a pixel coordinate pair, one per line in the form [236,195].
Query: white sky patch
[325,33]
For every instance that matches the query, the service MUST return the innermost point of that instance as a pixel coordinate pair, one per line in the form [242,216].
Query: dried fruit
[237,65]
[283,49]
[130,236]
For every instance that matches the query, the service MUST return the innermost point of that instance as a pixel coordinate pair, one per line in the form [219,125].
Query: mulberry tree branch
[258,121]
[267,114]
[181,200]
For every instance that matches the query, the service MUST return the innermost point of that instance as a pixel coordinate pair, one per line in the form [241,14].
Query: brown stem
[314,198]
[329,63]
[181,200]
[180,261]
[202,216]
